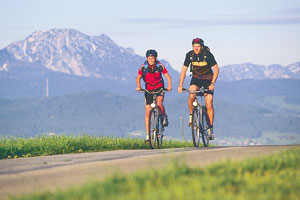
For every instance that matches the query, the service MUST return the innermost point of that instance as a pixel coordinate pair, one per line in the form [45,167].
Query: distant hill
[244,112]
[253,92]
[98,113]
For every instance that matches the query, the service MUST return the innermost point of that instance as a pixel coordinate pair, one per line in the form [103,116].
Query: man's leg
[190,102]
[192,98]
[210,113]
[210,108]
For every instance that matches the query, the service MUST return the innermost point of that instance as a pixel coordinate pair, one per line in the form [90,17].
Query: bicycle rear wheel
[195,127]
[204,126]
[152,128]
[160,130]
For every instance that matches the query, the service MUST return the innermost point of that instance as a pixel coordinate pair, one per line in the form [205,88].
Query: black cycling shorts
[202,82]
[149,97]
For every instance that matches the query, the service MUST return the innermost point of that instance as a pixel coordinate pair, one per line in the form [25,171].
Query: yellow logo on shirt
[199,64]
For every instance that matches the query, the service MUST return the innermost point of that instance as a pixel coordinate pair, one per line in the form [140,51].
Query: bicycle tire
[152,128]
[159,134]
[195,127]
[204,126]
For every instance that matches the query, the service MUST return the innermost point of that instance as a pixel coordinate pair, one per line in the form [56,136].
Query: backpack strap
[205,50]
[191,59]
[159,66]
[145,69]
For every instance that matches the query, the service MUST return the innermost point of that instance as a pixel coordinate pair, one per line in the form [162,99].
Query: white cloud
[281,17]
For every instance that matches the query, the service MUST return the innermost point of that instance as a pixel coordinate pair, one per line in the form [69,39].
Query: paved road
[25,175]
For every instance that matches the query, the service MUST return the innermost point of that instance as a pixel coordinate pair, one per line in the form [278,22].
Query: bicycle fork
[200,110]
[159,124]
[158,119]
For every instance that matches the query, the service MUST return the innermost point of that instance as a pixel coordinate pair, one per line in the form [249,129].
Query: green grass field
[265,178]
[52,145]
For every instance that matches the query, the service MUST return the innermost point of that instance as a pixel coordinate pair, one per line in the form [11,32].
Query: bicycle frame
[156,127]
[201,125]
[202,107]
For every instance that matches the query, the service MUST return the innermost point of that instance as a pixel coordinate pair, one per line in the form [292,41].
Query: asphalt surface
[14,166]
[49,173]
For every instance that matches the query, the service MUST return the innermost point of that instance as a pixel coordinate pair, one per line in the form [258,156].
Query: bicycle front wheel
[160,130]
[204,126]
[152,128]
[195,127]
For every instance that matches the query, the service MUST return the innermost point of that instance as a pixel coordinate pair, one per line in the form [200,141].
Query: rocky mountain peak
[70,51]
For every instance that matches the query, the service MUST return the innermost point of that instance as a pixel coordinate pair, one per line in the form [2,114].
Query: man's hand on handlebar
[180,89]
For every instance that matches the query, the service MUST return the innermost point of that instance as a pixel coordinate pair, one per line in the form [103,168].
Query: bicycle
[200,120]
[156,127]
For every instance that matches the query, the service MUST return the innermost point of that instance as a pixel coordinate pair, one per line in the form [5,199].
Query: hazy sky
[237,31]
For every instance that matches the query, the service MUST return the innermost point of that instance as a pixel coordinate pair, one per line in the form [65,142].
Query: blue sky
[258,31]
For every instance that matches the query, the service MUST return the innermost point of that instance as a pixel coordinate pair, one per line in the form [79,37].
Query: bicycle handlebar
[201,90]
[152,92]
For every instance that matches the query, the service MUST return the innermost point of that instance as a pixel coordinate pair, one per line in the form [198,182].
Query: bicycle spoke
[195,127]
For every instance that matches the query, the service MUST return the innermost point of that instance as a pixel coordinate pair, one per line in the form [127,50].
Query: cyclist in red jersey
[151,72]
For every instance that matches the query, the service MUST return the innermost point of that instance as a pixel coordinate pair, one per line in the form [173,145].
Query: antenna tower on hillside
[47,90]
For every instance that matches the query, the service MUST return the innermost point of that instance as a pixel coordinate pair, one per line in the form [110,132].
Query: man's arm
[215,77]
[216,73]
[138,82]
[169,88]
[182,77]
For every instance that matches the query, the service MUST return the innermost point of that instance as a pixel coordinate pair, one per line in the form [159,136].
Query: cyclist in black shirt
[205,72]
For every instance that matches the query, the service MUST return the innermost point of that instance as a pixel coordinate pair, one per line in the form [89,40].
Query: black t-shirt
[201,63]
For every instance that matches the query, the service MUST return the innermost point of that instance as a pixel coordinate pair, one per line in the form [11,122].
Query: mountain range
[258,72]
[70,54]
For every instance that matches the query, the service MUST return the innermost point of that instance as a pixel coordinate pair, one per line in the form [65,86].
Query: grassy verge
[269,177]
[52,145]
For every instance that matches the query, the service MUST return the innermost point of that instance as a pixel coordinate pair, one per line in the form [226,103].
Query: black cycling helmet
[198,41]
[151,52]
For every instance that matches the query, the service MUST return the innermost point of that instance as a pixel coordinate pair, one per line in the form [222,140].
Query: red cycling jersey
[153,80]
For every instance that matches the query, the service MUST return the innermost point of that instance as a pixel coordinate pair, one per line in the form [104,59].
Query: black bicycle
[156,127]
[200,120]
